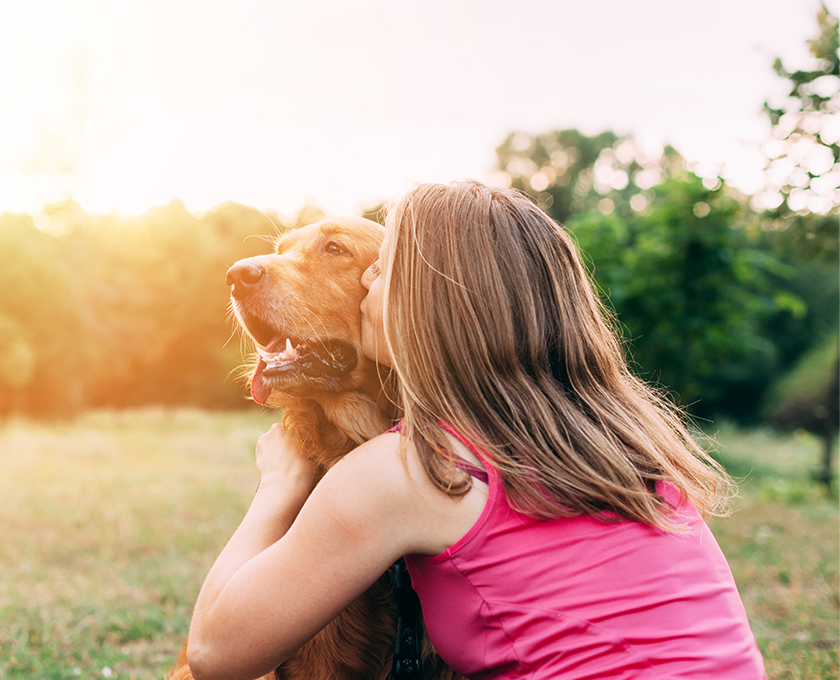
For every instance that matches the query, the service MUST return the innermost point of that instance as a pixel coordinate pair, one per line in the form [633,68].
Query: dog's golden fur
[308,290]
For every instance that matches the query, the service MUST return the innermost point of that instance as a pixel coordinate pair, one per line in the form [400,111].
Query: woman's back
[580,598]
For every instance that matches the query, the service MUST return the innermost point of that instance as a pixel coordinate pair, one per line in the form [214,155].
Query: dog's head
[300,304]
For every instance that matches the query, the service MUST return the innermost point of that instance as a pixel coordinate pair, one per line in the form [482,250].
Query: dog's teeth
[289,353]
[277,358]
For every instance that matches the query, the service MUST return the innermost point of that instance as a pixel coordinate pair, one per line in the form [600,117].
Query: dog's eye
[334,248]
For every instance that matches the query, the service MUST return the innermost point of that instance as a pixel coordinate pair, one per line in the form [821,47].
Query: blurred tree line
[729,302]
[713,306]
[105,311]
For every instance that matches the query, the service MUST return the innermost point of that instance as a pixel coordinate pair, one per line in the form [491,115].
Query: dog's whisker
[321,337]
[230,337]
[271,240]
[230,318]
[276,228]
[305,314]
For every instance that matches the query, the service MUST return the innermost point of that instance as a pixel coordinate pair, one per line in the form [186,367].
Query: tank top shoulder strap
[478,473]
[472,470]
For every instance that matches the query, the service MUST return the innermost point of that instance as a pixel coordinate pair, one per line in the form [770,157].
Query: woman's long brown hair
[494,329]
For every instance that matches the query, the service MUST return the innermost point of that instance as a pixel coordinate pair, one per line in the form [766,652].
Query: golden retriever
[300,304]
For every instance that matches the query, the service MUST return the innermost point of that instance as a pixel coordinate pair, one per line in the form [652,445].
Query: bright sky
[342,103]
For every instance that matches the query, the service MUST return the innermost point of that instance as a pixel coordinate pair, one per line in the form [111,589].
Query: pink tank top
[577,598]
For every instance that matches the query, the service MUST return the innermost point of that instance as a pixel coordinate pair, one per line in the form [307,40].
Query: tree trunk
[824,473]
[831,426]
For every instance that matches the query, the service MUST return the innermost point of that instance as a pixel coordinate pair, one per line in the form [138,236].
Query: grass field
[110,522]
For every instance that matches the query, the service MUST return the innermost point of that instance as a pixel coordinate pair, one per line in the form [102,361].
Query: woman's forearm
[265,523]
[272,512]
[287,478]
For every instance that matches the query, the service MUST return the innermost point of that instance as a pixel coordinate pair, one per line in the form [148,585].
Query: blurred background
[693,149]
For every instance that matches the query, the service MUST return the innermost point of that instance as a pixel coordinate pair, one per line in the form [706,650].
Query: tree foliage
[803,220]
[692,287]
[802,193]
[569,173]
[680,259]
[42,321]
[121,312]
[807,398]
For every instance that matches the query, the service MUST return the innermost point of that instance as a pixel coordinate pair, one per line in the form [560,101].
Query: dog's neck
[357,416]
[331,424]
[366,412]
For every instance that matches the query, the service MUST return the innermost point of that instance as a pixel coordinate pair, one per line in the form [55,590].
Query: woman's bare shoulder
[386,470]
[383,485]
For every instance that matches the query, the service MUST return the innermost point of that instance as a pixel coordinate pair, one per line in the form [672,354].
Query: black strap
[407,653]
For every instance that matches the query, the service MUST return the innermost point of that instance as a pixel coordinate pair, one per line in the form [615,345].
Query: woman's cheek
[373,341]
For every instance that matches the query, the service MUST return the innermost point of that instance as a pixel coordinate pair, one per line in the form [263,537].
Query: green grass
[783,544]
[109,525]
[110,522]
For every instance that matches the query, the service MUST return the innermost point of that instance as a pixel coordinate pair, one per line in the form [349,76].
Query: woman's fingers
[282,461]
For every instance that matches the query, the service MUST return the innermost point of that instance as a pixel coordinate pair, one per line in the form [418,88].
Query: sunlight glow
[638,203]
[124,105]
[606,206]
[539,181]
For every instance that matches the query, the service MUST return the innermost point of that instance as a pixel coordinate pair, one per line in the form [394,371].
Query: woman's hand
[284,469]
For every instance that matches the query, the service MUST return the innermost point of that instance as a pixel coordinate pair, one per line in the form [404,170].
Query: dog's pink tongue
[259,390]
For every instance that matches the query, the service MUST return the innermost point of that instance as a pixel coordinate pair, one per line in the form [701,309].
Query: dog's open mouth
[286,359]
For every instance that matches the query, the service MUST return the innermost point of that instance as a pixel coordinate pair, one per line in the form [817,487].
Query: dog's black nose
[243,277]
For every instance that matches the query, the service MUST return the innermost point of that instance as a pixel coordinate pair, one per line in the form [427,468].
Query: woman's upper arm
[357,522]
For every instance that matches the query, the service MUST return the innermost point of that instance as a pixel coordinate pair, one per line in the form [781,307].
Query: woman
[547,502]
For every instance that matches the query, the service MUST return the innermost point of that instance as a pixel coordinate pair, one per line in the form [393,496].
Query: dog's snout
[243,277]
